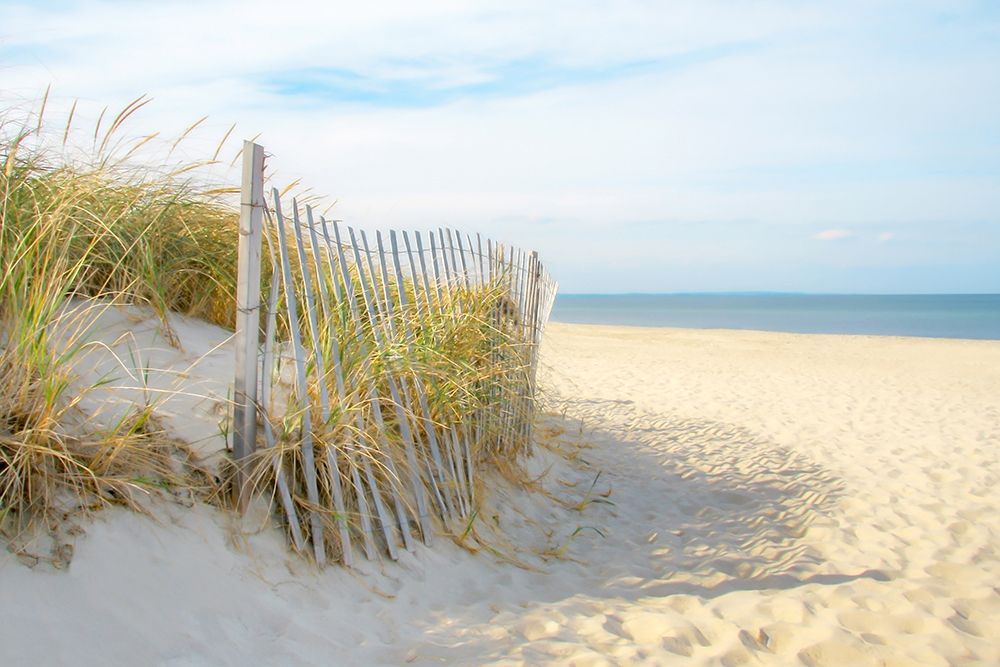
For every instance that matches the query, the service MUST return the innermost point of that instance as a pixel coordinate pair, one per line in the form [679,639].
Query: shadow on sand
[696,507]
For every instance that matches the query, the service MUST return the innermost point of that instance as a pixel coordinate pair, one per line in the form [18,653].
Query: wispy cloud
[429,82]
[834,234]
[627,124]
[885,237]
[425,85]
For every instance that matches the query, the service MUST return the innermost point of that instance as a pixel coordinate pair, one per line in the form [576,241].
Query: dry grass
[105,229]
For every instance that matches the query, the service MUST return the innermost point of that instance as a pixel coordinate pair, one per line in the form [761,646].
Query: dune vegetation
[85,221]
[102,228]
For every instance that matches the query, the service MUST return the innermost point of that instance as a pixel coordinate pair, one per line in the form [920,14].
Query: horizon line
[775,293]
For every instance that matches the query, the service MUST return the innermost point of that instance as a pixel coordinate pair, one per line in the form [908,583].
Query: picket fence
[336,412]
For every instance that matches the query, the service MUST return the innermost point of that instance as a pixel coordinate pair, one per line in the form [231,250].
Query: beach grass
[109,232]
[99,227]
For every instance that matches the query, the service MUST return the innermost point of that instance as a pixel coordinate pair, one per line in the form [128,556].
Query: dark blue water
[936,315]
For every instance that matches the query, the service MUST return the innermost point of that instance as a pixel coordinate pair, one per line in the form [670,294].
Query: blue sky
[674,146]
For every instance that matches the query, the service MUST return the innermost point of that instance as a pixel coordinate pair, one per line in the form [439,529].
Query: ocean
[928,315]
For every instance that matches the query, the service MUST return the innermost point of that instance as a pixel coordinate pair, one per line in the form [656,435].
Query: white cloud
[818,115]
[886,236]
[834,234]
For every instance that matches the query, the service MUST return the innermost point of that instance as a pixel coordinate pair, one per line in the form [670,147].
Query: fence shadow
[700,508]
[728,507]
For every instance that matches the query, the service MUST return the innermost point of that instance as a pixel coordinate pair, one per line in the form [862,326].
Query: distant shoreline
[766,293]
[951,316]
[722,331]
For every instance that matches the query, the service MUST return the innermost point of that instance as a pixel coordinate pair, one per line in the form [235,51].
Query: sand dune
[713,498]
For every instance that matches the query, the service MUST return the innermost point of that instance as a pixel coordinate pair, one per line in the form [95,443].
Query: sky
[644,146]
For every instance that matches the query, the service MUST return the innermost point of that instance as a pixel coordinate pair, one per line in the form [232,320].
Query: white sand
[777,499]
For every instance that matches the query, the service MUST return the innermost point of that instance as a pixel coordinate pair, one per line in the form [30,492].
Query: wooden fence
[384,373]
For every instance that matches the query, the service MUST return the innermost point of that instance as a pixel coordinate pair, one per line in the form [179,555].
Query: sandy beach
[710,498]
[824,499]
[525,334]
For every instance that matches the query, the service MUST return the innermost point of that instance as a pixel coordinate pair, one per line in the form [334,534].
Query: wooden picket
[353,443]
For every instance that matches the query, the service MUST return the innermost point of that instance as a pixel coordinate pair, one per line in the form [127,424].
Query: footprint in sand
[535,629]
[783,609]
[881,623]
[957,573]
[966,625]
[778,637]
[736,657]
[678,644]
[834,653]
[648,627]
[979,617]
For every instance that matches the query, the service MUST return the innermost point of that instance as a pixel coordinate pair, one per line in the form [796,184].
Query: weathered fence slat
[402,407]
[461,444]
[350,449]
[461,254]
[433,298]
[425,413]
[302,387]
[444,262]
[324,395]
[383,514]
[367,284]
[451,249]
[483,279]
[265,403]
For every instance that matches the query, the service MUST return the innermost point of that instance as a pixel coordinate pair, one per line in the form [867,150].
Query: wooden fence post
[247,316]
